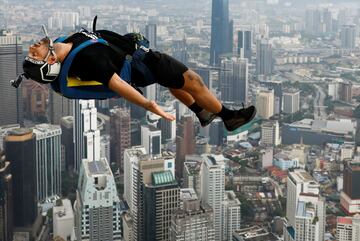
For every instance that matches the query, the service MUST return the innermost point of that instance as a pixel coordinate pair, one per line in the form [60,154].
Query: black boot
[239,118]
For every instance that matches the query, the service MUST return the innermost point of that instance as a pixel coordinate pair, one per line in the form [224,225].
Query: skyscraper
[264,58]
[270,133]
[11,104]
[234,80]
[97,205]
[150,34]
[161,200]
[59,107]
[85,129]
[193,220]
[291,101]
[232,214]
[350,196]
[348,228]
[20,150]
[67,135]
[313,21]
[305,208]
[6,200]
[213,190]
[120,135]
[348,36]
[221,31]
[151,140]
[138,171]
[185,142]
[48,161]
[265,103]
[244,44]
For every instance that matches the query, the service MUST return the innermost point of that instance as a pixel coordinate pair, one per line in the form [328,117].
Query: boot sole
[247,121]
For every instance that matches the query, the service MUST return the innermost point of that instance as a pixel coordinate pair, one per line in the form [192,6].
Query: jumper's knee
[193,82]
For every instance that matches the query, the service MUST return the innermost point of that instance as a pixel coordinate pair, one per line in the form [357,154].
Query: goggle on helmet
[40,70]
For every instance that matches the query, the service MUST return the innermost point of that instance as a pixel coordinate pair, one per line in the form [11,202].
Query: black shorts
[167,71]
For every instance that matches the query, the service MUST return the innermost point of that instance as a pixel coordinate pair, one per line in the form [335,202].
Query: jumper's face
[39,50]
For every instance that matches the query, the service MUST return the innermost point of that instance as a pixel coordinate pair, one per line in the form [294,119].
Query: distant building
[138,170]
[67,141]
[59,106]
[305,208]
[6,200]
[192,221]
[318,132]
[253,233]
[120,135]
[234,80]
[20,150]
[191,176]
[285,162]
[244,44]
[221,31]
[11,104]
[270,133]
[63,219]
[265,103]
[151,140]
[213,190]
[97,205]
[185,142]
[291,101]
[232,214]
[266,157]
[348,36]
[105,147]
[264,58]
[85,130]
[48,161]
[161,199]
[313,21]
[350,196]
[348,228]
[151,35]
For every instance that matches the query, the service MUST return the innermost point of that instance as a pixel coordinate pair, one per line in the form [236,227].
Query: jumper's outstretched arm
[125,90]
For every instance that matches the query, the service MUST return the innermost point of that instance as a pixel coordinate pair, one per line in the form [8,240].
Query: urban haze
[110,170]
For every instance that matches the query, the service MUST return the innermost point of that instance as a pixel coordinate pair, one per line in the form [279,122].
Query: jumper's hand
[154,108]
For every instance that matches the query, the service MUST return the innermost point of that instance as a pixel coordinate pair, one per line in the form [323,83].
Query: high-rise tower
[221,31]
[11,109]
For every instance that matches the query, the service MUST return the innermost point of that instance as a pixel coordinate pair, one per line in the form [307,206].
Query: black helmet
[40,70]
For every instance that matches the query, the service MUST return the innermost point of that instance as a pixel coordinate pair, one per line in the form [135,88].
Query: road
[319,108]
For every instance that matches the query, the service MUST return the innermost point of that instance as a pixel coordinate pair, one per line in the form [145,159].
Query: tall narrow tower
[221,31]
[11,110]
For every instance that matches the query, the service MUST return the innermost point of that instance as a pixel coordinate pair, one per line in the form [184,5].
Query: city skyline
[111,170]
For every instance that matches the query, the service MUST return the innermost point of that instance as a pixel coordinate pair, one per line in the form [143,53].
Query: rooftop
[254,233]
[163,178]
[97,167]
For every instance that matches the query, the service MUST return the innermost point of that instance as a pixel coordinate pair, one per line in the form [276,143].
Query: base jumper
[103,64]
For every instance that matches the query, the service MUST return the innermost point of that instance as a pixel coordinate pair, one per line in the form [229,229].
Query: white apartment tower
[213,190]
[97,205]
[265,103]
[305,208]
[86,134]
[48,160]
[348,228]
[193,221]
[232,215]
[151,140]
[270,133]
